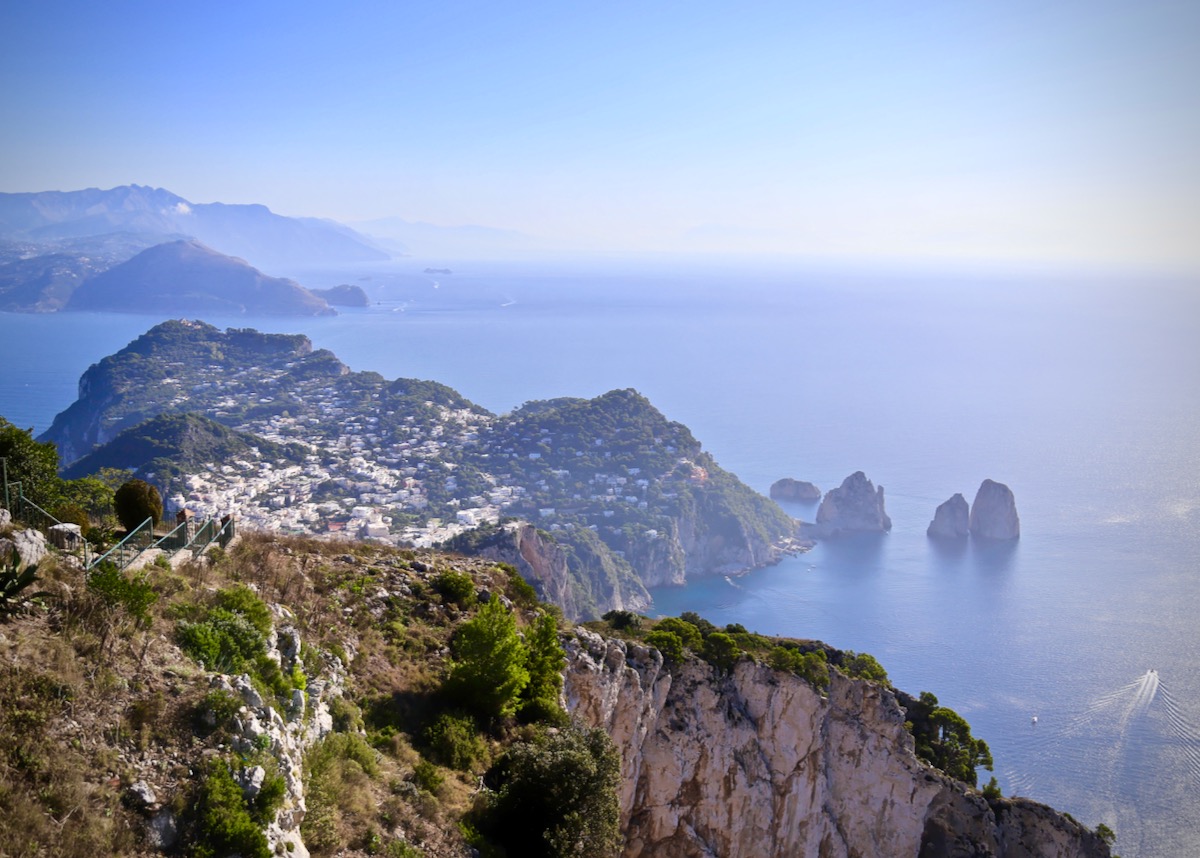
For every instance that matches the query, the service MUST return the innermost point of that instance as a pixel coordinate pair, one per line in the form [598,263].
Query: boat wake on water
[1139,724]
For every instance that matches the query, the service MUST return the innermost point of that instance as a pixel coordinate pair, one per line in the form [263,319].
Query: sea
[1073,651]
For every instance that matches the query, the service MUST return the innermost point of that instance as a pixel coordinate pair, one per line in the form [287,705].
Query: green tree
[943,739]
[688,634]
[34,464]
[488,672]
[667,643]
[545,660]
[557,797]
[135,502]
[721,651]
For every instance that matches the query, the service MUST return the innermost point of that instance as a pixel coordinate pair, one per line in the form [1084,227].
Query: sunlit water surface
[1081,394]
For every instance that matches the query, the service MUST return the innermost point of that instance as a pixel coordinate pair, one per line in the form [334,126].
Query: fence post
[4,468]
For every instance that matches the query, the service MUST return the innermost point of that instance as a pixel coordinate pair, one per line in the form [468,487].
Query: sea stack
[951,520]
[854,506]
[788,489]
[994,513]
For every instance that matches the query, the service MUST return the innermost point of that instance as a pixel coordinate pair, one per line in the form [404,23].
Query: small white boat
[1034,720]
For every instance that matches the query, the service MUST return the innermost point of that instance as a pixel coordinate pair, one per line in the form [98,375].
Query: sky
[1064,131]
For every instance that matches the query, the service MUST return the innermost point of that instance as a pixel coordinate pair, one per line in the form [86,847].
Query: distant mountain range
[252,232]
[54,242]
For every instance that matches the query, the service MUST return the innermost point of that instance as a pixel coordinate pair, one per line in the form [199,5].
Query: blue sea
[1079,391]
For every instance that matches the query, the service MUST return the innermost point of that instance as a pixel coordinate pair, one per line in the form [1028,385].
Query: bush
[456,587]
[813,667]
[453,740]
[862,665]
[669,644]
[519,590]
[721,651]
[688,634]
[223,823]
[14,583]
[556,796]
[620,620]
[136,501]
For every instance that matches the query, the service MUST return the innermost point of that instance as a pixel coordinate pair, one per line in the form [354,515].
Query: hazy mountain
[185,277]
[252,232]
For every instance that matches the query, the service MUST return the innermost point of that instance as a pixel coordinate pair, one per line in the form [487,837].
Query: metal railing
[127,550]
[176,540]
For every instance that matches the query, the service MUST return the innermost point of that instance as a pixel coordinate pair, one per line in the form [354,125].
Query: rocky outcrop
[597,582]
[951,520]
[286,735]
[855,506]
[758,763]
[30,546]
[994,513]
[798,491]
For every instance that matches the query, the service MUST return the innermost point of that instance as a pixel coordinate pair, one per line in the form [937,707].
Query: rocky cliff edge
[759,763]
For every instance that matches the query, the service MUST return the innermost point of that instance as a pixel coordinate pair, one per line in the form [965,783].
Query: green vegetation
[229,635]
[489,670]
[135,502]
[14,581]
[453,740]
[225,821]
[943,738]
[555,796]
[811,666]
[456,587]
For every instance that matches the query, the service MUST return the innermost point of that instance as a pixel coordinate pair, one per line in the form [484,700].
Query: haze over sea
[1081,393]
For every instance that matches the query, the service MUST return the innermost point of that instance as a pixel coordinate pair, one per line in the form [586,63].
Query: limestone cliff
[994,513]
[856,506]
[758,763]
[951,520]
[585,579]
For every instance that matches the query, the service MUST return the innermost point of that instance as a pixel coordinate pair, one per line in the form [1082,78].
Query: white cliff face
[760,764]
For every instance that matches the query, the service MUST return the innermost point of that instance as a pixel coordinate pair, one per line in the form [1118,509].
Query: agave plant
[14,581]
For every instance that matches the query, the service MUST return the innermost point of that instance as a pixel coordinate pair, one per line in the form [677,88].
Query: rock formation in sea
[854,506]
[788,489]
[951,520]
[994,513]
[758,762]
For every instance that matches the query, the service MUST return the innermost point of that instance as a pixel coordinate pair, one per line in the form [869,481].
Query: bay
[1079,392]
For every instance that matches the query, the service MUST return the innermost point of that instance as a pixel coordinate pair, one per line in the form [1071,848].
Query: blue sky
[1016,130]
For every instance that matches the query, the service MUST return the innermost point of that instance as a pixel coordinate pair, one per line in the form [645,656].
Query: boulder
[951,520]
[5,517]
[854,506]
[788,489]
[29,544]
[994,513]
[68,537]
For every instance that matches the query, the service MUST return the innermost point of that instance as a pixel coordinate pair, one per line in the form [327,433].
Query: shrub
[136,501]
[991,790]
[721,651]
[72,513]
[556,795]
[620,620]
[223,823]
[456,587]
[688,634]
[427,777]
[813,666]
[519,590]
[669,644]
[454,741]
[14,583]
[863,665]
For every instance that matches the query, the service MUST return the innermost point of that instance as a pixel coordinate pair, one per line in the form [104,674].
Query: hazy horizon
[1018,132]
